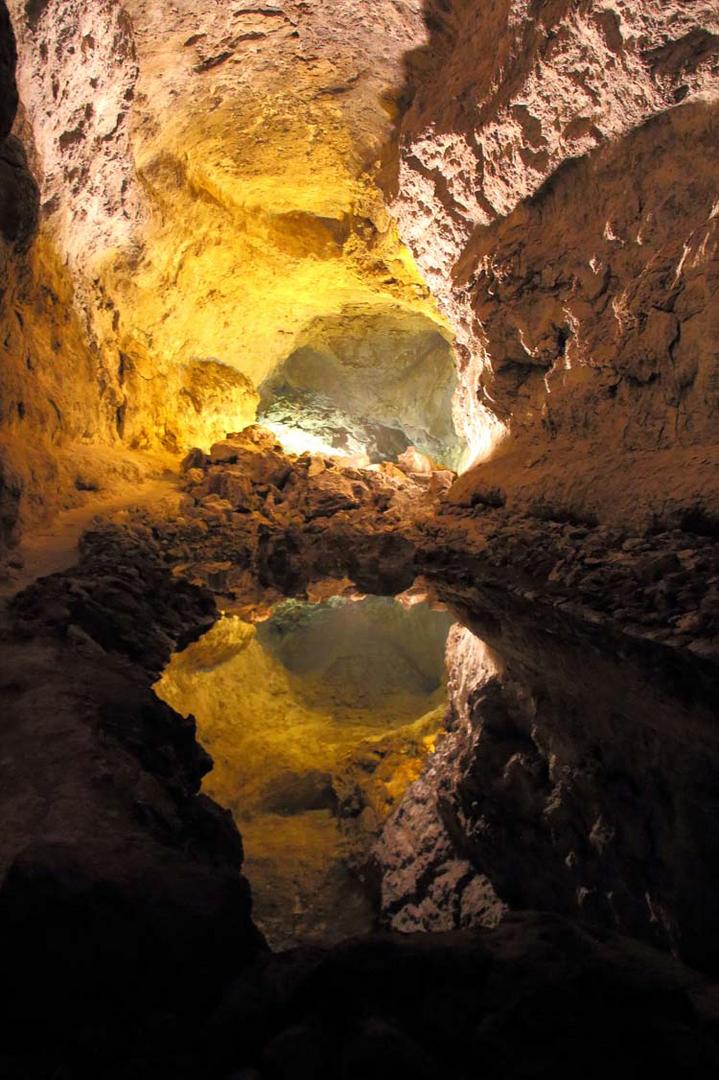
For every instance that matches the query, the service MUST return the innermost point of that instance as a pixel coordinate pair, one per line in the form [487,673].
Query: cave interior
[359,539]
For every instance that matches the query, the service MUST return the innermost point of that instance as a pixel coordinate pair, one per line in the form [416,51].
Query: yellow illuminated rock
[317,721]
[253,238]
[267,719]
[211,176]
[212,179]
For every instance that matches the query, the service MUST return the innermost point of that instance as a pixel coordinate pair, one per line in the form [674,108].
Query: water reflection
[580,774]
[573,772]
[317,719]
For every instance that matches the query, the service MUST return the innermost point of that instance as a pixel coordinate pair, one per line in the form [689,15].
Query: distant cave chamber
[367,382]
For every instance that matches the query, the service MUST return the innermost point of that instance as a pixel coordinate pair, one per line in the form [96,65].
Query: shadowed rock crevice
[587,796]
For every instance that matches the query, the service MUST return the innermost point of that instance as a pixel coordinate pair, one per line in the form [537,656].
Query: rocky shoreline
[253,512]
[136,878]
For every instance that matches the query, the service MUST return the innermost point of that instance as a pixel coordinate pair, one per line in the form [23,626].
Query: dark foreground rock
[120,884]
[532,998]
[125,922]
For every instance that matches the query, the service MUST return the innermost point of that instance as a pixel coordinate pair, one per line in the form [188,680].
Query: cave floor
[52,547]
[576,778]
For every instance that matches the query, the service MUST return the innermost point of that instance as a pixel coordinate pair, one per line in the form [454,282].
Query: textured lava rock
[289,520]
[576,777]
[253,133]
[386,378]
[252,512]
[659,586]
[118,881]
[524,1000]
[585,325]
[52,376]
[536,796]
[8,59]
[585,328]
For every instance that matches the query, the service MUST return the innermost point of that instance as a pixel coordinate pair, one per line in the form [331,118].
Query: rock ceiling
[211,178]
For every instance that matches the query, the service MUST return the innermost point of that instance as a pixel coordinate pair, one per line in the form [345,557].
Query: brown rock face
[568,781]
[135,881]
[117,878]
[53,376]
[212,187]
[557,191]
[8,59]
[212,209]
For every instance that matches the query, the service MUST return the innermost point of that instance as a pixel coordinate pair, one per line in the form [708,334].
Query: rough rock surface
[60,414]
[426,880]
[253,512]
[595,808]
[118,881]
[207,181]
[206,200]
[660,586]
[585,328]
[30,321]
[526,999]
[586,324]
[391,373]
[576,776]
[251,134]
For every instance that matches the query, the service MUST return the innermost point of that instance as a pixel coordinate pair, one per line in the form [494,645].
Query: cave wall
[50,374]
[207,176]
[589,796]
[207,188]
[213,184]
[558,191]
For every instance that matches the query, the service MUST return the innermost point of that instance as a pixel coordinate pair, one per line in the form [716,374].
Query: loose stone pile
[255,513]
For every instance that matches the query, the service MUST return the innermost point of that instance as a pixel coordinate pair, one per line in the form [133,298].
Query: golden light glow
[298,441]
[331,702]
[260,720]
[260,223]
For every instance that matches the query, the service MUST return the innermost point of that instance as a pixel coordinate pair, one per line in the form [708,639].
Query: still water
[317,719]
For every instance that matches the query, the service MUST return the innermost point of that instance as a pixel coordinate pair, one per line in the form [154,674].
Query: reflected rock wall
[576,777]
[317,719]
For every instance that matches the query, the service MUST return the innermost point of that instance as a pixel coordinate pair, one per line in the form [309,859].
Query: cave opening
[317,717]
[368,383]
